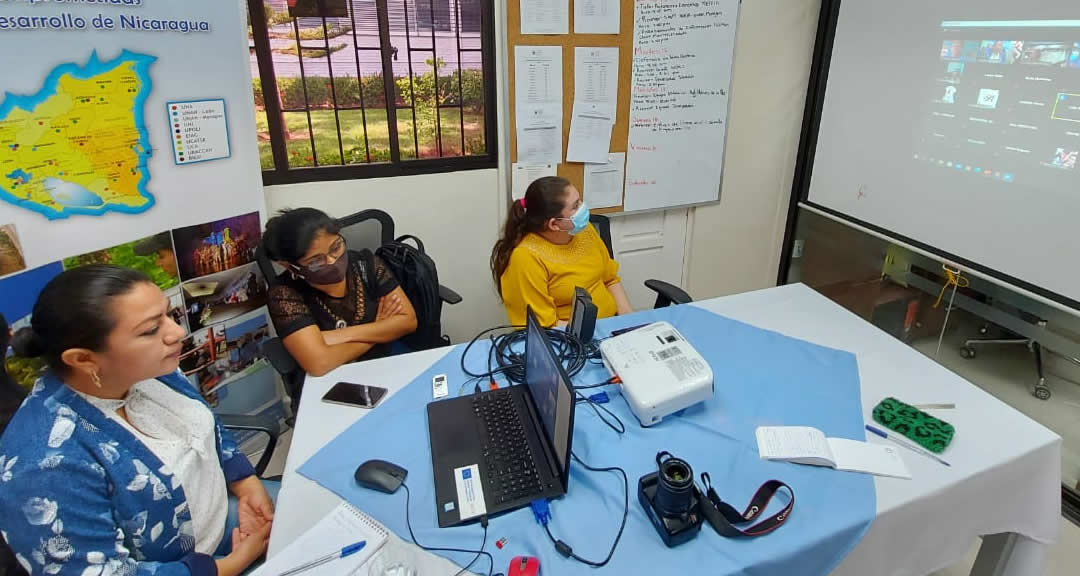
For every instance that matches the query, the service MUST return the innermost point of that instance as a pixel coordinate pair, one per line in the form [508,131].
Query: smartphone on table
[358,395]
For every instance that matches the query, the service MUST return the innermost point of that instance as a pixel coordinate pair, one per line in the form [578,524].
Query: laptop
[499,450]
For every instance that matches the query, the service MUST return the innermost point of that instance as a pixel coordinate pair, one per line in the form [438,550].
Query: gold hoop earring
[96,378]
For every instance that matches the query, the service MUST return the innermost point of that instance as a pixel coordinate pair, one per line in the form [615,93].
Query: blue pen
[906,444]
[346,551]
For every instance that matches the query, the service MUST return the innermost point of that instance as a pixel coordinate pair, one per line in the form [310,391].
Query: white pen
[346,551]
[905,443]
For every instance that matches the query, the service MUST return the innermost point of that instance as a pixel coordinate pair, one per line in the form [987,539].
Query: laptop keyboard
[511,473]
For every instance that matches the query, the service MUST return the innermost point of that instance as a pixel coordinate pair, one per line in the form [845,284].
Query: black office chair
[373,228]
[292,375]
[261,424]
[666,293]
[994,335]
[365,229]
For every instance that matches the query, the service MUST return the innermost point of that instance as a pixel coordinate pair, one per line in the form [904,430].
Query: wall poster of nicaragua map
[120,119]
[80,144]
[128,137]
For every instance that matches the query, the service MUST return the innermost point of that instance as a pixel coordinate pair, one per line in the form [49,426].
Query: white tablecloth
[1005,475]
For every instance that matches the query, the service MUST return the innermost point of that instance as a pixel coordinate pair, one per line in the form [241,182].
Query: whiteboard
[680,88]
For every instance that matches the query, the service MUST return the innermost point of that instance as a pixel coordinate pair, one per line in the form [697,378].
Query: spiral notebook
[806,445]
[344,526]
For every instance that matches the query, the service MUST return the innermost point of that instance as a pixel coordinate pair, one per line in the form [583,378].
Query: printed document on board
[596,16]
[545,16]
[596,77]
[590,134]
[524,174]
[604,182]
[538,104]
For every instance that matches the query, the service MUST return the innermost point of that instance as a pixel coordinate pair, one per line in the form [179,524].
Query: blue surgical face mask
[580,220]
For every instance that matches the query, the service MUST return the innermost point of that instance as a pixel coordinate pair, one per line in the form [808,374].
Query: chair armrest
[449,296]
[279,357]
[292,374]
[667,294]
[262,424]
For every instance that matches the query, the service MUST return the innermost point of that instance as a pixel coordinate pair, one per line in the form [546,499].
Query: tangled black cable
[574,354]
[564,549]
[503,359]
[616,424]
[479,553]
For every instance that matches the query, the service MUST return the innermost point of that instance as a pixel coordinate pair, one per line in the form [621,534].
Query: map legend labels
[199,131]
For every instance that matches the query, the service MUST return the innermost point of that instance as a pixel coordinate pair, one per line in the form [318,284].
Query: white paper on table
[596,16]
[590,134]
[545,16]
[604,182]
[798,444]
[524,174]
[877,459]
[806,445]
[596,77]
[343,526]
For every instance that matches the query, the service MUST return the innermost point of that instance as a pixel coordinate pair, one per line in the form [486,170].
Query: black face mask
[326,275]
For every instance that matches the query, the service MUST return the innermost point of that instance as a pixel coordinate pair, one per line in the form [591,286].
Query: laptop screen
[550,390]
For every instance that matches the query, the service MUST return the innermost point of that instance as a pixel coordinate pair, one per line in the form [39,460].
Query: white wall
[735,245]
[454,214]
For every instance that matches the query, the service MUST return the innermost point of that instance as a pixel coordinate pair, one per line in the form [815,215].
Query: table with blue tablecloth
[780,357]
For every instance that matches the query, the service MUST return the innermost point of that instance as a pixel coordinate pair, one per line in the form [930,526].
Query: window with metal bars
[368,88]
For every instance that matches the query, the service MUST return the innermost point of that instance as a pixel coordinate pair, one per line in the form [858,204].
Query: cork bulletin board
[624,40]
[674,84]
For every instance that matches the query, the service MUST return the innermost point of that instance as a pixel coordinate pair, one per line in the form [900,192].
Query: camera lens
[674,493]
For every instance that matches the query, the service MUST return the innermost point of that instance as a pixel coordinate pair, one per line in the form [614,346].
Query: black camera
[671,499]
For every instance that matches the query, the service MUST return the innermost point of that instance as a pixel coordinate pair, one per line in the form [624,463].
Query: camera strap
[723,517]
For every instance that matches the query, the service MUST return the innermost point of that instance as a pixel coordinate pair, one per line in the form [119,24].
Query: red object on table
[524,566]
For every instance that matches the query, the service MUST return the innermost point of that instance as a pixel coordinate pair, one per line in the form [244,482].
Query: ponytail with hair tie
[27,344]
[546,199]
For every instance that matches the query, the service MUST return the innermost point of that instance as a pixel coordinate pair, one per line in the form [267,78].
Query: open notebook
[344,526]
[806,445]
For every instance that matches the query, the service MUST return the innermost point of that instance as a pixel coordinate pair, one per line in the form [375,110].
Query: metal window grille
[368,88]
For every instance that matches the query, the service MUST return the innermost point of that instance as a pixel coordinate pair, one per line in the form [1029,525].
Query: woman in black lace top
[332,305]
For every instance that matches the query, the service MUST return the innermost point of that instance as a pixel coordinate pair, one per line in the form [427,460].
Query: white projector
[661,372]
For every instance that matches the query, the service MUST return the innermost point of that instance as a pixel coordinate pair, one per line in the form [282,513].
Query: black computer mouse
[380,475]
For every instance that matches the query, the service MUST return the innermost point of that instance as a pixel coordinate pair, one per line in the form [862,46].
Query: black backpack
[419,279]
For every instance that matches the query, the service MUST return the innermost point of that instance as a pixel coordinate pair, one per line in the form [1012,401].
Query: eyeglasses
[320,261]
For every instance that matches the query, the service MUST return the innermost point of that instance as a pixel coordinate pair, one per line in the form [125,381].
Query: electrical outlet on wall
[796,250]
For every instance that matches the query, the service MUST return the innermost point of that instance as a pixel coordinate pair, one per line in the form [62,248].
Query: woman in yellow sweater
[547,249]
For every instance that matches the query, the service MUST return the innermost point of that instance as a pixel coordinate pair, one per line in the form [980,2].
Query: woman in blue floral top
[114,464]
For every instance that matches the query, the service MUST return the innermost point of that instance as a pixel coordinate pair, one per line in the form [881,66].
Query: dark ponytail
[544,199]
[73,311]
[5,340]
[289,234]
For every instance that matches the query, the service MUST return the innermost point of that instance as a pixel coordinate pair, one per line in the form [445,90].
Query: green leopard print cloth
[920,427]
